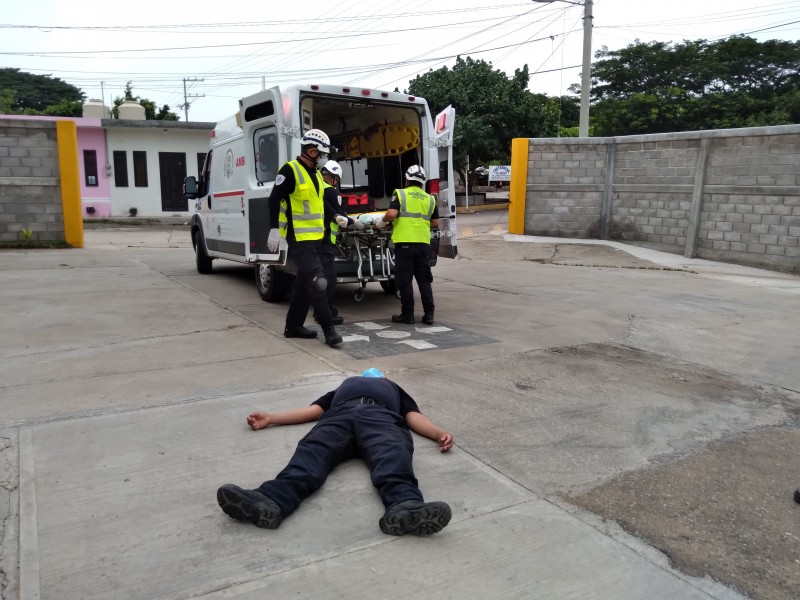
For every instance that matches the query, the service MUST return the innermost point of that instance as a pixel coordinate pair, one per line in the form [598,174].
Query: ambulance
[377,135]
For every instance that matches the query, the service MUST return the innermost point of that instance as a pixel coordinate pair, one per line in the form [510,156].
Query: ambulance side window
[265,143]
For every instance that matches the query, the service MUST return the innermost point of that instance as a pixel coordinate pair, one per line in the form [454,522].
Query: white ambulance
[378,135]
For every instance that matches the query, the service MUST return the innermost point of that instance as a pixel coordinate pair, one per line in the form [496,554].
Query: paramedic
[367,417]
[334,218]
[414,213]
[296,205]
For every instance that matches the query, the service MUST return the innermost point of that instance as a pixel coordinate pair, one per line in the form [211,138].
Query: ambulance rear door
[443,141]
[263,124]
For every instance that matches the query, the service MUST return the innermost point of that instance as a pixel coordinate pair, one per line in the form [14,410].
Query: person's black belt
[366,400]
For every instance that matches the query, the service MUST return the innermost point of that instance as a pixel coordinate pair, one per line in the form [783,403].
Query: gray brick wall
[745,187]
[30,194]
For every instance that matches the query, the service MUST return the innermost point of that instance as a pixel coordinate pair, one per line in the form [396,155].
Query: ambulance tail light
[433,186]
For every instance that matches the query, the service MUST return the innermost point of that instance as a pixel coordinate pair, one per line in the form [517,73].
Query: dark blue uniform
[365,418]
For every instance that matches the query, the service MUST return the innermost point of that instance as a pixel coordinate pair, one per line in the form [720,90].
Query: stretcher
[365,255]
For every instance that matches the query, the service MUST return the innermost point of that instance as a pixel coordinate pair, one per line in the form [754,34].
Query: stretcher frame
[365,256]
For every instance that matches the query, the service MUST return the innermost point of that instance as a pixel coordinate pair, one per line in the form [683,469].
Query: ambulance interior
[375,144]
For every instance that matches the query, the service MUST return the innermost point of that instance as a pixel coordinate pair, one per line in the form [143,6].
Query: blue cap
[372,372]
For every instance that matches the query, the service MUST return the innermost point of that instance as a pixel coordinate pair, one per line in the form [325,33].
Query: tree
[695,85]
[151,111]
[491,109]
[35,94]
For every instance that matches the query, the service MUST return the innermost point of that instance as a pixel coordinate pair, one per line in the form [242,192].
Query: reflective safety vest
[334,224]
[413,222]
[307,207]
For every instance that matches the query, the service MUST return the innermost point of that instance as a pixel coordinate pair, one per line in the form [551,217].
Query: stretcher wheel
[359,296]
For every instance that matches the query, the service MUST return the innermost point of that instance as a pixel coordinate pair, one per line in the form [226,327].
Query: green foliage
[695,85]
[151,111]
[491,109]
[33,94]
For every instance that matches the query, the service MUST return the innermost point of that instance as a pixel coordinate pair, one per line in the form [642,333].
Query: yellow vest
[334,224]
[307,207]
[413,223]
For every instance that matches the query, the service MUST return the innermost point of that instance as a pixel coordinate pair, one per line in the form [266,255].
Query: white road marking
[393,334]
[419,344]
[355,338]
[369,325]
[434,329]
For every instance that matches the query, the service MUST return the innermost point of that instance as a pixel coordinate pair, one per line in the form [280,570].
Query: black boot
[413,516]
[404,318]
[427,318]
[331,337]
[249,505]
[298,331]
[335,319]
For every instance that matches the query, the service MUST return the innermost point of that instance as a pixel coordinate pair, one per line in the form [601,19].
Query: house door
[172,166]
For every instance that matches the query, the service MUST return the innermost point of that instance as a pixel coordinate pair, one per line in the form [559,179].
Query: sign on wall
[499,173]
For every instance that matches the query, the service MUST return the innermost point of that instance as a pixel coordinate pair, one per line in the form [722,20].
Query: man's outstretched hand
[445,441]
[259,420]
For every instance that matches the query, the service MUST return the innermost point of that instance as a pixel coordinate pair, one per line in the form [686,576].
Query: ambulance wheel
[271,283]
[202,258]
[389,287]
[359,296]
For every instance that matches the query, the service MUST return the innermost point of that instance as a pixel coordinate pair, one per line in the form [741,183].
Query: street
[626,425]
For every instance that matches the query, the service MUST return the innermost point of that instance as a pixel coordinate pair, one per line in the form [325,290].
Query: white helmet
[317,138]
[333,168]
[416,173]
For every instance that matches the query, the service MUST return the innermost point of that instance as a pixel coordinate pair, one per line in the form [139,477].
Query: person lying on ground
[366,417]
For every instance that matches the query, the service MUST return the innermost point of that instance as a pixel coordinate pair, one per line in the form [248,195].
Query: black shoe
[335,320]
[413,516]
[249,505]
[407,319]
[427,318]
[299,332]
[797,495]
[331,337]
[334,311]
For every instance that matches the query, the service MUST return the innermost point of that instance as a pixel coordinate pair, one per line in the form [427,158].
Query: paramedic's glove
[341,221]
[274,240]
[358,225]
[378,223]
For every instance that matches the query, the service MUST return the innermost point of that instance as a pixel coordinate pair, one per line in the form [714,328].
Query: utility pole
[586,70]
[186,104]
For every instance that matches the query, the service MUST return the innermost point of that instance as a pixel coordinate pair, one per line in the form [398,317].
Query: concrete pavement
[126,376]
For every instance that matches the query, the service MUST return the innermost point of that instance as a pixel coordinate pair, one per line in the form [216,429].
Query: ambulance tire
[271,283]
[202,258]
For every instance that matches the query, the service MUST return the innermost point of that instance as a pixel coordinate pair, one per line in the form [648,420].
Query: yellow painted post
[70,182]
[519,185]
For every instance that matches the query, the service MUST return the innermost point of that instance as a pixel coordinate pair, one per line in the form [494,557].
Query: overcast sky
[235,48]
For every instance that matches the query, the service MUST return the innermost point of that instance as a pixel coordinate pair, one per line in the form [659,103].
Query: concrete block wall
[730,195]
[751,208]
[30,194]
[565,188]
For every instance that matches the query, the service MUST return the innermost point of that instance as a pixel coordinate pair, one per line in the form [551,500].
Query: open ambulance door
[444,129]
[262,121]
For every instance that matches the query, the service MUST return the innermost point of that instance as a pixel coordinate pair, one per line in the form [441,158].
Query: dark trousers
[328,258]
[369,432]
[411,262]
[305,256]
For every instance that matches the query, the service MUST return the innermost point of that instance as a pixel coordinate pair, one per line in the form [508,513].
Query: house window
[90,167]
[140,168]
[120,168]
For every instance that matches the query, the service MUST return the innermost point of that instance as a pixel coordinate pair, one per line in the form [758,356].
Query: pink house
[133,166]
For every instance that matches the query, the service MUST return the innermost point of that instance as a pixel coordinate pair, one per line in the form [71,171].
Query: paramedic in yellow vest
[296,213]
[334,219]
[414,213]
